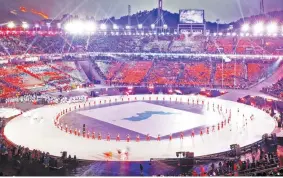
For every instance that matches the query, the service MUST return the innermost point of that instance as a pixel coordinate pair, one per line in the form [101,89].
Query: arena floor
[140,115]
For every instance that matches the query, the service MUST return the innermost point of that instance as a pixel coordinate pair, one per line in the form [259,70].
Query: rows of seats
[196,74]
[56,44]
[231,73]
[109,68]
[164,73]
[256,70]
[133,72]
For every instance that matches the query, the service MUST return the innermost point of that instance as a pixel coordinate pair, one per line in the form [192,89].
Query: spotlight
[11,25]
[165,26]
[115,27]
[103,26]
[258,27]
[152,26]
[90,26]
[234,34]
[272,28]
[128,27]
[25,25]
[36,26]
[245,27]
[139,26]
[75,27]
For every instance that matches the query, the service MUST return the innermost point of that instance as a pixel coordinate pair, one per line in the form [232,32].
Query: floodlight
[36,25]
[75,27]
[152,26]
[139,26]
[272,27]
[165,26]
[128,27]
[234,34]
[115,27]
[25,25]
[103,26]
[11,25]
[245,27]
[258,27]
[90,26]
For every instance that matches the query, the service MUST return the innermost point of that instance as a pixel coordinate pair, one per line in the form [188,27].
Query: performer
[76,131]
[193,134]
[66,128]
[225,122]
[147,137]
[79,132]
[93,135]
[118,138]
[202,102]
[88,134]
[201,133]
[213,128]
[70,130]
[218,127]
[138,138]
[170,137]
[108,137]
[158,137]
[222,124]
[197,101]
[207,130]
[99,136]
[128,138]
[182,136]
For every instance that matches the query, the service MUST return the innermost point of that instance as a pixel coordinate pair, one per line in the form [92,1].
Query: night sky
[225,10]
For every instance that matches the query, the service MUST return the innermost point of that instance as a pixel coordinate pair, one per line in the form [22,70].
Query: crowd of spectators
[275,90]
[21,44]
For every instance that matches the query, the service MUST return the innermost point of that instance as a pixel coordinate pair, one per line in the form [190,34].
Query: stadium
[176,95]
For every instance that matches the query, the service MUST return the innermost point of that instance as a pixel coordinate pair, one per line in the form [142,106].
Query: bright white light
[90,26]
[11,25]
[214,34]
[242,34]
[115,27]
[234,34]
[128,27]
[258,27]
[36,26]
[139,26]
[25,25]
[165,26]
[272,27]
[245,27]
[220,34]
[152,26]
[75,27]
[103,26]
[228,34]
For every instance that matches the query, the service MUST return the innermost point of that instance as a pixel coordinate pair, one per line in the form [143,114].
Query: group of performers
[202,131]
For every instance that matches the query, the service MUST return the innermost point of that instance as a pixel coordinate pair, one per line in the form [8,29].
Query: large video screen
[191,16]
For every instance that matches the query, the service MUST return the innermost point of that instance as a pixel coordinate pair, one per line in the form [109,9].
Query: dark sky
[225,10]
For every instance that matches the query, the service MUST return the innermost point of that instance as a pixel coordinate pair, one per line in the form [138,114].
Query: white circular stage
[35,129]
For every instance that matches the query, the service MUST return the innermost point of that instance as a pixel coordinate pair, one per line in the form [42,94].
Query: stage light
[36,26]
[115,27]
[152,26]
[245,27]
[139,26]
[247,34]
[25,25]
[90,27]
[59,25]
[165,26]
[234,34]
[220,34]
[228,34]
[272,28]
[75,27]
[258,27]
[103,26]
[11,25]
[214,34]
[241,34]
[128,27]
